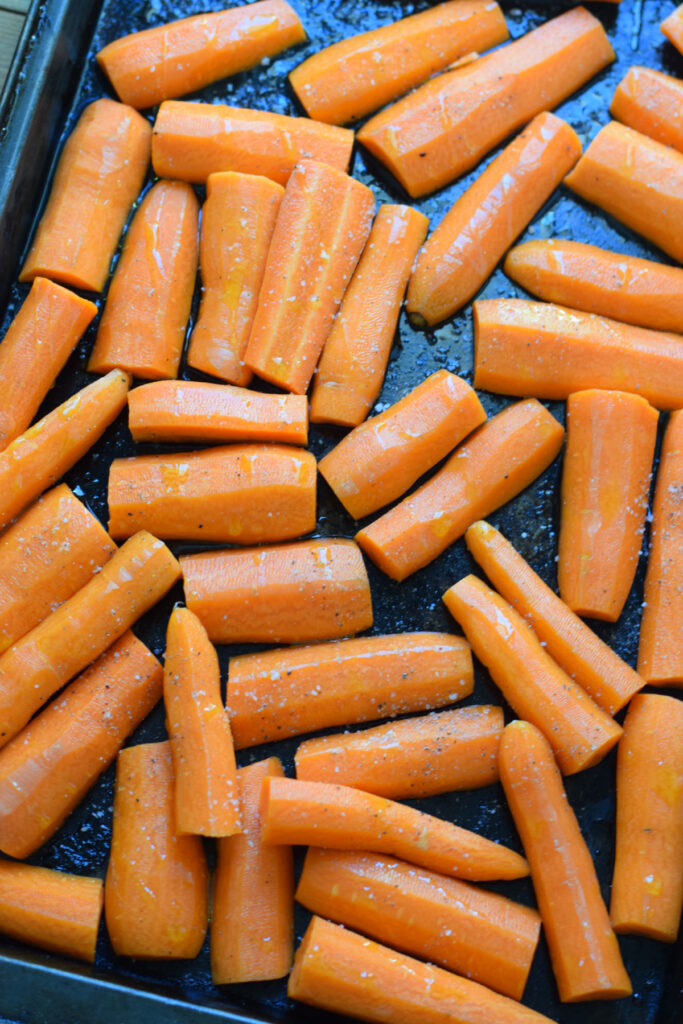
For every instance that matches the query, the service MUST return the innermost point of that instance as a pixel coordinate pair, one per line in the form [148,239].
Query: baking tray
[53,77]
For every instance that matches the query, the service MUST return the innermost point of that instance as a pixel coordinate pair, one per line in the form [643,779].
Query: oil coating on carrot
[672,28]
[652,103]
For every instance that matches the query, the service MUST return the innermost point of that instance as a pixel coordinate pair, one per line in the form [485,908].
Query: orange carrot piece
[652,103]
[307,271]
[38,458]
[447,125]
[186,55]
[672,28]
[497,462]
[238,218]
[240,494]
[98,177]
[606,474]
[156,889]
[48,768]
[580,652]
[438,753]
[583,948]
[252,927]
[281,693]
[537,689]
[287,593]
[148,304]
[356,352]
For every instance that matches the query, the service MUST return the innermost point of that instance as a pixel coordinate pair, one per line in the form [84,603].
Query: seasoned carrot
[143,325]
[356,352]
[500,459]
[537,689]
[156,889]
[183,56]
[672,28]
[48,768]
[240,494]
[321,228]
[280,693]
[99,175]
[652,103]
[485,220]
[583,948]
[252,926]
[446,126]
[379,460]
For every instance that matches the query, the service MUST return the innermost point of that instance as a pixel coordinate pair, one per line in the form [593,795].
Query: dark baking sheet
[53,78]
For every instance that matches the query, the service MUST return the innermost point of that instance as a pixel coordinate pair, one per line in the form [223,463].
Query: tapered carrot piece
[280,693]
[287,593]
[356,352]
[240,494]
[672,28]
[379,460]
[652,103]
[186,55]
[64,643]
[537,689]
[38,458]
[48,768]
[252,927]
[500,459]
[99,175]
[156,889]
[447,125]
[580,652]
[583,948]
[321,228]
[143,325]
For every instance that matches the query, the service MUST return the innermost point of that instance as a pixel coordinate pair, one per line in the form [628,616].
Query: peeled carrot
[238,218]
[672,28]
[186,55]
[537,689]
[240,494]
[307,271]
[485,220]
[48,768]
[252,927]
[143,325]
[280,693]
[497,462]
[287,593]
[156,889]
[446,126]
[342,818]
[356,352]
[652,103]
[384,456]
[583,948]
[99,175]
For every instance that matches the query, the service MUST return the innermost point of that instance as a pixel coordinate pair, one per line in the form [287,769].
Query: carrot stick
[240,494]
[238,218]
[143,325]
[38,458]
[287,593]
[652,103]
[321,228]
[438,132]
[647,887]
[342,818]
[580,652]
[64,643]
[48,768]
[379,460]
[583,948]
[280,693]
[672,28]
[497,462]
[356,352]
[186,55]
[156,889]
[438,753]
[537,689]
[98,177]
[252,927]
[483,223]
